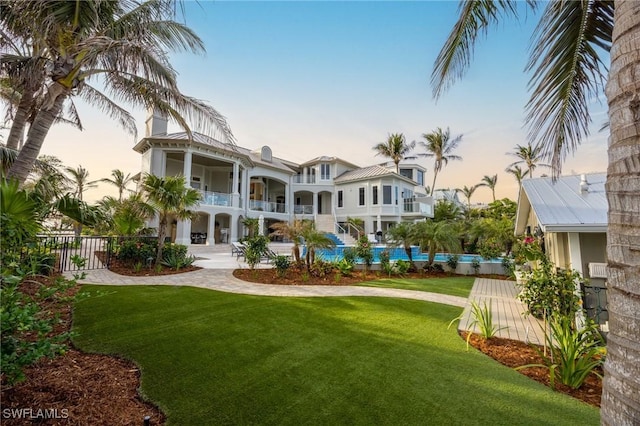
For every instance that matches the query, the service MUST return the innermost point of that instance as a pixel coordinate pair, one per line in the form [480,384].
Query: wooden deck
[506,309]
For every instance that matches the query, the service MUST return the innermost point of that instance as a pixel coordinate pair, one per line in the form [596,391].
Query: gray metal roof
[327,159]
[562,206]
[367,173]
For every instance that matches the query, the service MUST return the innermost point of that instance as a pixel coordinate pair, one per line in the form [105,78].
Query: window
[408,173]
[325,171]
[396,194]
[361,196]
[340,202]
[375,196]
[386,194]
[420,177]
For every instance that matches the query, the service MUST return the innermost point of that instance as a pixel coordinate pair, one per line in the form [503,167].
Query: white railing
[304,179]
[303,209]
[267,206]
[216,198]
[410,206]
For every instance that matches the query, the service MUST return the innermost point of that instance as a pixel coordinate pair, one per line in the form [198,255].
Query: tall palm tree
[124,44]
[119,180]
[567,71]
[491,182]
[402,235]
[530,156]
[440,146]
[314,240]
[468,191]
[79,178]
[292,232]
[518,174]
[169,196]
[395,148]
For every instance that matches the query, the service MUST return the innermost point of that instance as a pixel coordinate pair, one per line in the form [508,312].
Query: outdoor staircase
[326,223]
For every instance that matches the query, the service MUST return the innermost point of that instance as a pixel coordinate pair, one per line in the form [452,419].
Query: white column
[211,233]
[187,167]
[235,195]
[183,232]
[233,228]
[575,256]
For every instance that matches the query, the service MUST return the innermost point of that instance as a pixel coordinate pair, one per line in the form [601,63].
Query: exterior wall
[593,247]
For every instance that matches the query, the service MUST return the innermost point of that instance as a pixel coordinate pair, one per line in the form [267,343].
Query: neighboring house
[238,183]
[571,216]
[449,195]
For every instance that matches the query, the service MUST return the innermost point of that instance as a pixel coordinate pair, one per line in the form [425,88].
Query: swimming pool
[398,253]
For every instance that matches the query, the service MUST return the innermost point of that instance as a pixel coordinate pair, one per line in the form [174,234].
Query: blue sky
[335,78]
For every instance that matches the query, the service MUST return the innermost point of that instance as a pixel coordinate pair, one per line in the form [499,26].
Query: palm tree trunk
[37,133]
[162,233]
[433,186]
[20,120]
[621,385]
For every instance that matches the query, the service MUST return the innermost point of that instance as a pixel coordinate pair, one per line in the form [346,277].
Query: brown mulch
[75,388]
[124,268]
[514,353]
[103,390]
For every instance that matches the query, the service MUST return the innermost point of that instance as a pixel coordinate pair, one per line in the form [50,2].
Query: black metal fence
[594,302]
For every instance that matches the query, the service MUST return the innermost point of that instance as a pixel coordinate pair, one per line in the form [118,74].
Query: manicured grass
[216,358]
[454,286]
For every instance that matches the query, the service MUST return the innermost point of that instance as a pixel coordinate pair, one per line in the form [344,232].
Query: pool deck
[506,309]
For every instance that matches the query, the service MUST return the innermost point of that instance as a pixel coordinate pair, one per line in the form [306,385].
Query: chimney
[584,185]
[156,123]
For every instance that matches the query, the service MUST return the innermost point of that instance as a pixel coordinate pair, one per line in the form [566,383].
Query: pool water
[398,253]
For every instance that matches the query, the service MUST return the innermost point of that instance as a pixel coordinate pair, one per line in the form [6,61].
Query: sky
[336,78]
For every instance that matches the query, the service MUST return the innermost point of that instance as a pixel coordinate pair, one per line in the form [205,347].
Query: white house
[238,183]
[570,214]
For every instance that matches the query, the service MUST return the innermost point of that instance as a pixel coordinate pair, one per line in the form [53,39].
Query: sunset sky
[335,78]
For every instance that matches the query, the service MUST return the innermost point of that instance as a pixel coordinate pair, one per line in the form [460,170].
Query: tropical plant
[402,235]
[517,173]
[282,264]
[385,263]
[169,196]
[439,144]
[482,317]
[575,353]
[452,262]
[314,240]
[364,251]
[529,156]
[345,267]
[256,248]
[475,265]
[53,51]
[251,224]
[468,191]
[446,211]
[490,182]
[435,236]
[395,148]
[292,232]
[176,260]
[119,180]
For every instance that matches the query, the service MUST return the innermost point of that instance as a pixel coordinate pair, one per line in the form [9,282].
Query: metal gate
[77,253]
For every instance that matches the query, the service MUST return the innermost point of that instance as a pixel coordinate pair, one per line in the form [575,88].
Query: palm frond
[568,71]
[476,16]
[106,105]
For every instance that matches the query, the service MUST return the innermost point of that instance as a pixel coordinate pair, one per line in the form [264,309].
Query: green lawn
[455,286]
[216,358]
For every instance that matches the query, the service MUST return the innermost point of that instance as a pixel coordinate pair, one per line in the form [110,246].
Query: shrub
[574,353]
[364,252]
[282,264]
[475,265]
[385,263]
[256,249]
[402,266]
[344,267]
[436,267]
[547,291]
[176,260]
[508,266]
[133,250]
[320,268]
[180,250]
[349,254]
[452,262]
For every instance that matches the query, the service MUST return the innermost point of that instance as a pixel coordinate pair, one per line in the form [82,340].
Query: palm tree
[124,44]
[528,155]
[468,191]
[79,178]
[292,232]
[440,145]
[518,174]
[567,72]
[402,235]
[434,237]
[395,148]
[491,182]
[119,180]
[314,240]
[169,196]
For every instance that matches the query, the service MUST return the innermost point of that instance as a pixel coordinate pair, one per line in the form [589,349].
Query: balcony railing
[410,206]
[267,206]
[303,209]
[216,198]
[304,179]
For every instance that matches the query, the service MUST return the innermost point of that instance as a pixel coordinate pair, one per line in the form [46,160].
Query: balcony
[303,209]
[216,199]
[267,206]
[411,207]
[304,179]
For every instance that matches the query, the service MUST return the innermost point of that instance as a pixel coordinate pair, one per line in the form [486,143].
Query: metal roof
[367,173]
[565,205]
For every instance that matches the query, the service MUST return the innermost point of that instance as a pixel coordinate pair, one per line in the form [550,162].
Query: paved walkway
[218,264]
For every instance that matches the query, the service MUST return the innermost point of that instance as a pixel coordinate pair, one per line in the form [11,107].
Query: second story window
[408,173]
[340,199]
[325,171]
[361,196]
[374,199]
[386,194]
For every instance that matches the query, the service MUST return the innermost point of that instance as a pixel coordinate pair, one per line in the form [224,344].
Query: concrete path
[223,280]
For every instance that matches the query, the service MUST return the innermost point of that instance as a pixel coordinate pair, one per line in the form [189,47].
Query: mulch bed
[125,268]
